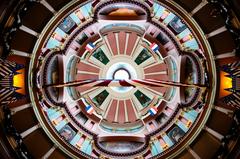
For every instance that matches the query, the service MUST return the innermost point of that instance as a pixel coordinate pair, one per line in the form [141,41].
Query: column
[30,130]
[223,110]
[48,6]
[28,30]
[216,32]
[20,108]
[214,133]
[49,152]
[20,53]
[199,7]
[226,55]
[193,153]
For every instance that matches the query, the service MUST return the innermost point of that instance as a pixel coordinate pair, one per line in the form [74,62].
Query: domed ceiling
[122,79]
[106,84]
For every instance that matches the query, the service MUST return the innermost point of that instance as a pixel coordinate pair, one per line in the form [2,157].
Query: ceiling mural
[101,78]
[120,79]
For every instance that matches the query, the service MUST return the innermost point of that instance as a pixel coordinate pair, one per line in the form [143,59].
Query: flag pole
[124,83]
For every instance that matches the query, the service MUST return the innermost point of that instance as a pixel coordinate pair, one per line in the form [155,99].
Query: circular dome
[106,80]
[119,79]
[121,74]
